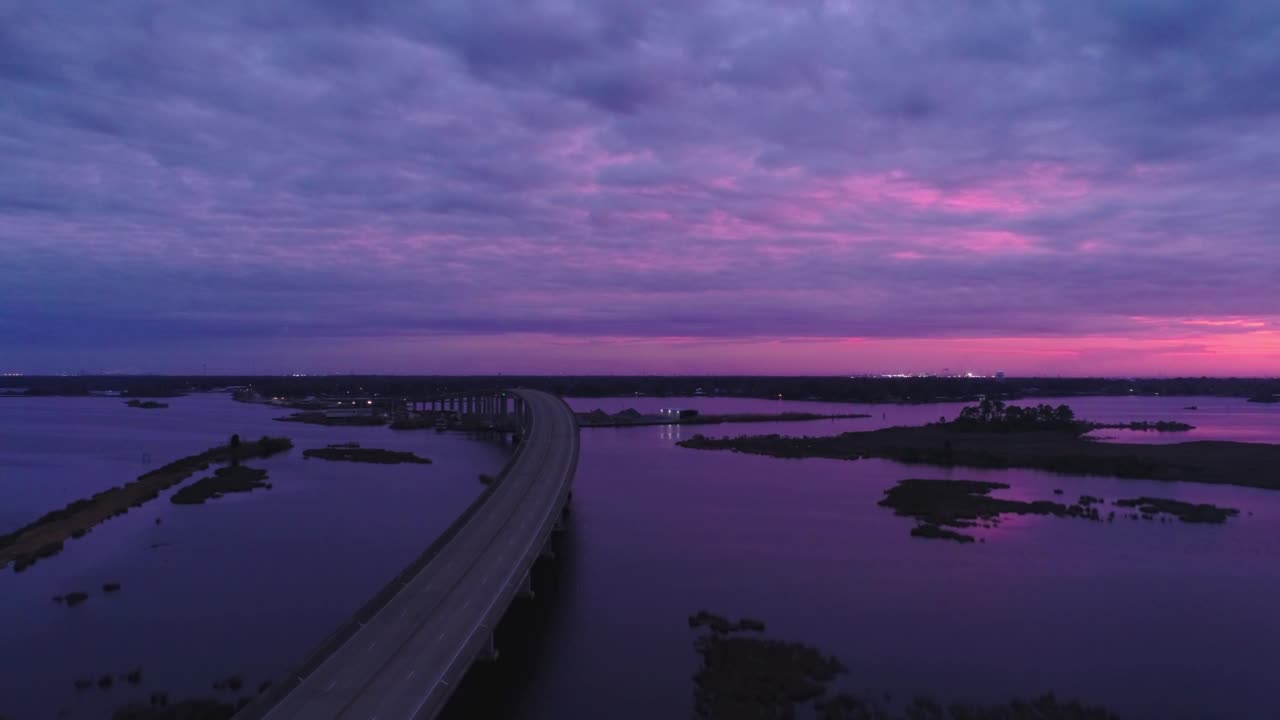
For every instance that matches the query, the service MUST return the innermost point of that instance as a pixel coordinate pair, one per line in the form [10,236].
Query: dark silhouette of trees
[995,415]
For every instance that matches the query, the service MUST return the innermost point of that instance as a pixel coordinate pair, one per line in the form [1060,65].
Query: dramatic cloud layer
[663,186]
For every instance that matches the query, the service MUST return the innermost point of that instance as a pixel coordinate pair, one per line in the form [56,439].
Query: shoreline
[46,536]
[1210,462]
[586,420]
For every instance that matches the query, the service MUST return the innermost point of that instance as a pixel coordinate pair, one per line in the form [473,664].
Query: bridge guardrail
[263,703]
[498,607]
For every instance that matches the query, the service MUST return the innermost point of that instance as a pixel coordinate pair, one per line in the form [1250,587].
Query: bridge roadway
[404,661]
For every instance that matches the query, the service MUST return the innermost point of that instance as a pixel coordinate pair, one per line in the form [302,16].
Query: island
[631,417]
[1042,438]
[352,452]
[231,479]
[147,404]
[943,507]
[45,537]
[746,675]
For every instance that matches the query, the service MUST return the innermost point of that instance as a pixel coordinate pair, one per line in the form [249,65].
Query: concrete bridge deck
[403,660]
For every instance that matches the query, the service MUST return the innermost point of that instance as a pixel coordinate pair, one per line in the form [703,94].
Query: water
[1214,418]
[1154,620]
[246,584]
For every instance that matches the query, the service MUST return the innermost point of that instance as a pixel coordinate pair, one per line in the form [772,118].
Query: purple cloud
[314,180]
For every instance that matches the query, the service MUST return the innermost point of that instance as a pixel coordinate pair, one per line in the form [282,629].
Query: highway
[404,661]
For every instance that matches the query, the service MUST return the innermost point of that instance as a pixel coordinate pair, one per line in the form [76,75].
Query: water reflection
[673,432]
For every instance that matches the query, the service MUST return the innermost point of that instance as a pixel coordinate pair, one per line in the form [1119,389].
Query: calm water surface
[1153,620]
[245,584]
[1213,418]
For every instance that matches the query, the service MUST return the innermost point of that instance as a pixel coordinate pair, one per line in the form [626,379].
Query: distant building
[1000,375]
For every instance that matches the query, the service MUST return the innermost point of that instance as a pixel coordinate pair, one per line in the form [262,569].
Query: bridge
[401,656]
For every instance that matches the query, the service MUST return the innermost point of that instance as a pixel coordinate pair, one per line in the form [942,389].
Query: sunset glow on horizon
[1036,188]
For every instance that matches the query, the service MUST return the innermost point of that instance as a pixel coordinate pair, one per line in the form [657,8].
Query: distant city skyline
[1039,188]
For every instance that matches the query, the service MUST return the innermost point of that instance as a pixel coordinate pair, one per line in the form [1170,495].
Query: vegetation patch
[147,404]
[942,507]
[1159,426]
[745,675]
[232,479]
[73,599]
[846,706]
[1053,441]
[44,537]
[231,682]
[366,455]
[934,532]
[1184,511]
[720,625]
[939,504]
[206,709]
[26,560]
[995,416]
[753,677]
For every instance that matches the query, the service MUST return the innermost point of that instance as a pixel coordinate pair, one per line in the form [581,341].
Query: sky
[1034,187]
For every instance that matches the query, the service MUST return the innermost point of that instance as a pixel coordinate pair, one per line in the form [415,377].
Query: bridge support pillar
[526,586]
[490,651]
